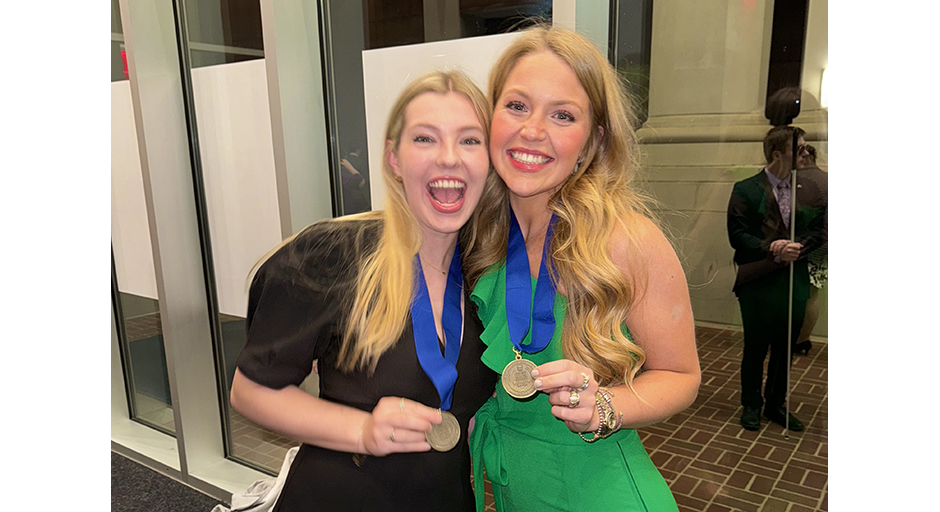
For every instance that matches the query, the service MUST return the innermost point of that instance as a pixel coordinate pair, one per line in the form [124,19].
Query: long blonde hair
[598,198]
[385,285]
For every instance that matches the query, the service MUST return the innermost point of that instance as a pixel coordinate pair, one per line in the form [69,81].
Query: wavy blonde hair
[598,198]
[386,281]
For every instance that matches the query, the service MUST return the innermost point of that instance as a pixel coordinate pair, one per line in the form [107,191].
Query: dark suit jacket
[821,179]
[754,221]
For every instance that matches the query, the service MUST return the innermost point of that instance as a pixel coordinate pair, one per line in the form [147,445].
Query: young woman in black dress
[379,301]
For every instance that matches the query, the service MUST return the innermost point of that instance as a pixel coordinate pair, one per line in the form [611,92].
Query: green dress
[531,458]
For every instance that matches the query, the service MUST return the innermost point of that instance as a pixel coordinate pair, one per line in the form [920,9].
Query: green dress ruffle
[531,458]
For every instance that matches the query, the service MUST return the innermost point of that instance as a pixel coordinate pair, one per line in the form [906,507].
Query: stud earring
[398,178]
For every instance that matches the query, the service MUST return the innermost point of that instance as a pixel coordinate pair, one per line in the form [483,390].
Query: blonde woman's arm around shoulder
[660,322]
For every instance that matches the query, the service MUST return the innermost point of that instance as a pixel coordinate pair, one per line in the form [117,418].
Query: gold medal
[517,377]
[444,436]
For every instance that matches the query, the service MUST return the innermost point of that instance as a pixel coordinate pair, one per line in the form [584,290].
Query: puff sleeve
[297,304]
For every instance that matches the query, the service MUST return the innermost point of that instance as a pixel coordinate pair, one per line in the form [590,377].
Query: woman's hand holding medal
[571,390]
[398,425]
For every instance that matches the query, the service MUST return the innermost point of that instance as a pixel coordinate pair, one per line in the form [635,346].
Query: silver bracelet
[607,422]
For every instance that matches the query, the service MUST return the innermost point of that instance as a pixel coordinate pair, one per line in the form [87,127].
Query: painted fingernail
[538,383]
[535,373]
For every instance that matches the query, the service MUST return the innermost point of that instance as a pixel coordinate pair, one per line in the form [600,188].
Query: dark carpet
[137,488]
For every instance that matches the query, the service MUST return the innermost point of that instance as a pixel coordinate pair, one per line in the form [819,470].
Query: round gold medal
[444,436]
[517,378]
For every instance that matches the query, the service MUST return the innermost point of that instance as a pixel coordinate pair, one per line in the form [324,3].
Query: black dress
[297,307]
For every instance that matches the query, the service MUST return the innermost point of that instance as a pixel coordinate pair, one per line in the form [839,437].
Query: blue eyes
[561,115]
[470,141]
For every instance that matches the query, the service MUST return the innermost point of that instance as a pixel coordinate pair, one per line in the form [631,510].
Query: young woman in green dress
[584,303]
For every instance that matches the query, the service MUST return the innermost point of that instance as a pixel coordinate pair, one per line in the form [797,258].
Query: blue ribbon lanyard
[522,309]
[441,369]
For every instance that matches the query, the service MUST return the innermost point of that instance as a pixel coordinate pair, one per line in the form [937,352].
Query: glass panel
[118,60]
[236,163]
[118,57]
[223,31]
[710,83]
[631,50]
[147,362]
[212,57]
[133,280]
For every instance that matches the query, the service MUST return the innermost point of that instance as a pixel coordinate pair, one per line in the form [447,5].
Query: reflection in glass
[787,42]
[118,56]
[708,108]
[213,56]
[631,51]
[118,59]
[145,359]
[223,31]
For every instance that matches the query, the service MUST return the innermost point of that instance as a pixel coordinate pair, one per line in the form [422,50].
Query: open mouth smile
[447,193]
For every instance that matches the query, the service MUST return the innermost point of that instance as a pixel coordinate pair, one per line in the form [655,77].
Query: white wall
[235,144]
[237,152]
[130,231]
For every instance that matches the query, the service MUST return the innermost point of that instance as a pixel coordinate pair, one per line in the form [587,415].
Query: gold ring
[391,437]
[401,404]
[574,399]
[586,383]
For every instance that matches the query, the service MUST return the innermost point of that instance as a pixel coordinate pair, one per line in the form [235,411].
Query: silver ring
[574,399]
[401,404]
[391,437]
[586,383]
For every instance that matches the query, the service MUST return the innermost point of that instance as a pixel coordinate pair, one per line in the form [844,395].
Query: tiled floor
[257,445]
[709,461]
[142,326]
[713,465]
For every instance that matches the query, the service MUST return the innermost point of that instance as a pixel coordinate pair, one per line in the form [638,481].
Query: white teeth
[446,192]
[529,159]
[446,184]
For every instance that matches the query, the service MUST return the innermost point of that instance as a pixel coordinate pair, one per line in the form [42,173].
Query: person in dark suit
[818,260]
[759,231]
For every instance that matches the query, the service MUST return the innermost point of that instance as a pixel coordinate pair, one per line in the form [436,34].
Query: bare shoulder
[637,244]
[660,318]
